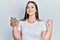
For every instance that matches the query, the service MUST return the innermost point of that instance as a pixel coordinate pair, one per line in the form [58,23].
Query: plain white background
[16,8]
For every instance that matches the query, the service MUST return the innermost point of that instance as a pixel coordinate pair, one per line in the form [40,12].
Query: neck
[32,18]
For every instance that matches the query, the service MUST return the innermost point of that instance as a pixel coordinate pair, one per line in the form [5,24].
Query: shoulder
[41,21]
[43,24]
[22,22]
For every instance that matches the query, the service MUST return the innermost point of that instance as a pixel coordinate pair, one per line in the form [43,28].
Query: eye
[32,7]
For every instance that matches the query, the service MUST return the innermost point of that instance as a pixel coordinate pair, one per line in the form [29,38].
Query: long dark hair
[36,14]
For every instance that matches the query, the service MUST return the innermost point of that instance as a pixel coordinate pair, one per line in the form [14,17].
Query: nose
[30,8]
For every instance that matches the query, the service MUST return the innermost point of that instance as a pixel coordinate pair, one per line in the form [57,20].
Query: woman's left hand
[50,23]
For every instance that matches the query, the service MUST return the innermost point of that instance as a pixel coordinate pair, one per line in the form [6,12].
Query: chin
[31,14]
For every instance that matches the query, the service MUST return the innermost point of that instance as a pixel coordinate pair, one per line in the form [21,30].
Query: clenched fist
[13,22]
[50,22]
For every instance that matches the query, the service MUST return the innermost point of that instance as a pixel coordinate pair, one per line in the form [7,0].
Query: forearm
[48,34]
[16,35]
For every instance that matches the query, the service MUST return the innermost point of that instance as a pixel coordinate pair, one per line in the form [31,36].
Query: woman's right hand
[13,22]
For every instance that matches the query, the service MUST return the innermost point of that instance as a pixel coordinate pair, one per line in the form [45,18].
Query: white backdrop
[16,8]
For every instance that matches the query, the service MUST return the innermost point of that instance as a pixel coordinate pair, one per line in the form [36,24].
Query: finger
[10,20]
[11,17]
[11,24]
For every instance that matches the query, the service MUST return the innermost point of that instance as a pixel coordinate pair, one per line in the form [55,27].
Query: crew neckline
[32,23]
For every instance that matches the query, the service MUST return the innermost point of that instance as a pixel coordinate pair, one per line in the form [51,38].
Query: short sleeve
[19,26]
[44,26]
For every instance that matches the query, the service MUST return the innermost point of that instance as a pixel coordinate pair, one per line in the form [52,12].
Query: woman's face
[31,9]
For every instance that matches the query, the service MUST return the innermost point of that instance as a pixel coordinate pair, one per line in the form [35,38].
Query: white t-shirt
[31,31]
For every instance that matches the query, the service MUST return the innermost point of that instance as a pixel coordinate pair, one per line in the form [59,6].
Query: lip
[30,11]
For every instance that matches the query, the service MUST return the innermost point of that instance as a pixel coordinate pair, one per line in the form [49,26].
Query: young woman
[31,27]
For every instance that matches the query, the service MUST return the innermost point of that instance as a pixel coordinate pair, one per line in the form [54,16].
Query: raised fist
[50,22]
[13,22]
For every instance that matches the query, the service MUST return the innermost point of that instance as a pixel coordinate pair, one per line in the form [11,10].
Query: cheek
[32,10]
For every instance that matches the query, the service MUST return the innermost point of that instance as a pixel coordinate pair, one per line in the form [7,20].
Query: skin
[46,35]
